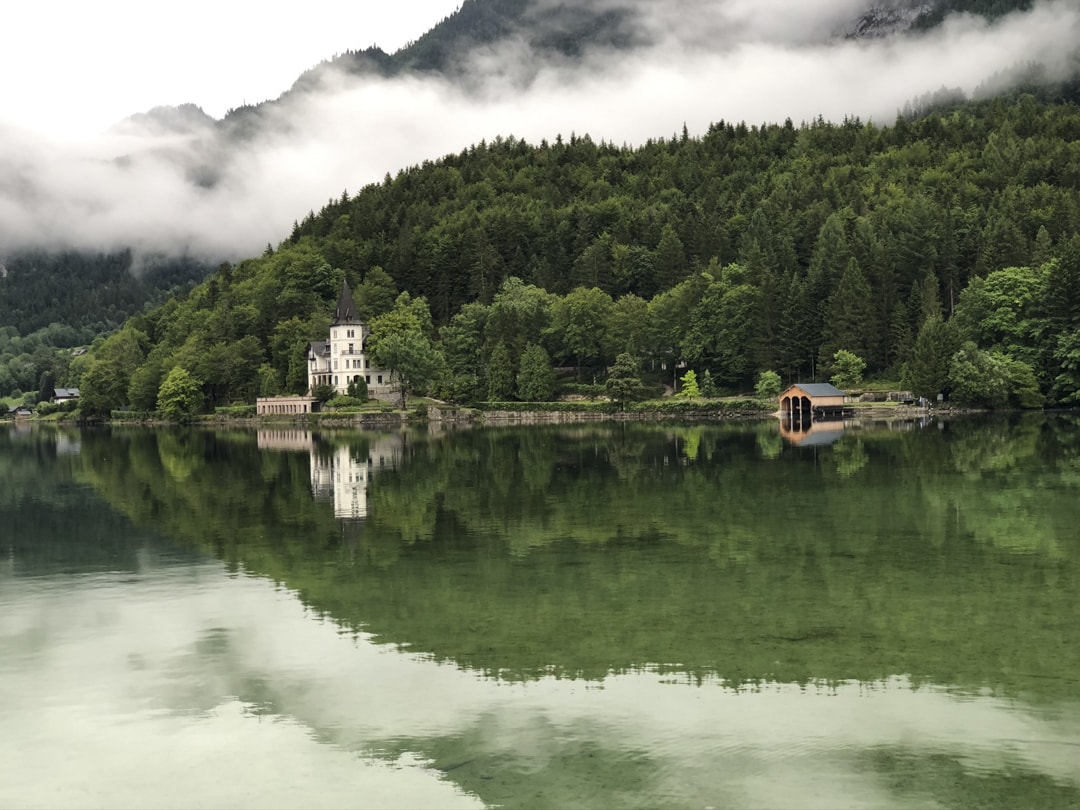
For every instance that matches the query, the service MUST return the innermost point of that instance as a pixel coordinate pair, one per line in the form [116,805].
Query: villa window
[367,379]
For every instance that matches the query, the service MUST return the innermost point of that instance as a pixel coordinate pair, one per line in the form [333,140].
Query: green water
[593,616]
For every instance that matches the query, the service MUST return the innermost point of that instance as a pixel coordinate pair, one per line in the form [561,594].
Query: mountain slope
[561,30]
[192,185]
[567,31]
[747,249]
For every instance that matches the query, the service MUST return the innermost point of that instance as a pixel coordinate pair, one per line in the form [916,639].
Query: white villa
[342,359]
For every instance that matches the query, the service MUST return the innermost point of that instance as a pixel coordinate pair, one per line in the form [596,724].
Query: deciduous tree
[180,396]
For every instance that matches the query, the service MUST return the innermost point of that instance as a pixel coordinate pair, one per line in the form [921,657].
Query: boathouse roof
[818,389]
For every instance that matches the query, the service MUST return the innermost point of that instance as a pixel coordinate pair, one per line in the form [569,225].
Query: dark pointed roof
[346,311]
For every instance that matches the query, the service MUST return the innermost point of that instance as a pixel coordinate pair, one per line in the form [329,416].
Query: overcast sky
[73,69]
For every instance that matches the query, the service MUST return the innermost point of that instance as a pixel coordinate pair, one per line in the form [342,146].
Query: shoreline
[462,416]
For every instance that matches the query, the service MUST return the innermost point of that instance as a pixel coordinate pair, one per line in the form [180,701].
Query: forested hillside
[991,9]
[568,30]
[51,303]
[942,250]
[552,29]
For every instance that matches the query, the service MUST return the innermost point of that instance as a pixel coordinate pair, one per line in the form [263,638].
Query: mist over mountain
[177,181]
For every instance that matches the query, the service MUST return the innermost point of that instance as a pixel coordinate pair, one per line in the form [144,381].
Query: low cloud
[186,188]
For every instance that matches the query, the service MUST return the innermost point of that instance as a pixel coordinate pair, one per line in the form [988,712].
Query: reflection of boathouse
[805,402]
[808,434]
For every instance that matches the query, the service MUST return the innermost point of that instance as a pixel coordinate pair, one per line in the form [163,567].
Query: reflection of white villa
[340,473]
[344,475]
[270,439]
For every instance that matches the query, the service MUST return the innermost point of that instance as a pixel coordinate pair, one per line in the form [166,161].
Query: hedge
[660,406]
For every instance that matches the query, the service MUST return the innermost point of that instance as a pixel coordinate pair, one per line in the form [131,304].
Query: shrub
[236,411]
[768,385]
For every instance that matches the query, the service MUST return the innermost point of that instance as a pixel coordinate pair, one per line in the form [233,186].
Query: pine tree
[670,258]
[690,389]
[796,332]
[624,382]
[927,372]
[500,374]
[536,378]
[708,387]
[850,317]
[1042,250]
[1061,291]
[900,337]
[45,389]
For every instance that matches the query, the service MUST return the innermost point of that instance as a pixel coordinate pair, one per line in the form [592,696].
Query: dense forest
[934,13]
[632,223]
[942,251]
[52,303]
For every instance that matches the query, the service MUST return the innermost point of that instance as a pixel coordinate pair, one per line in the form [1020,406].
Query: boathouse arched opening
[804,402]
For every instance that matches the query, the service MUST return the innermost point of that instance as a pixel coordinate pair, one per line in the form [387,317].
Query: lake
[874,615]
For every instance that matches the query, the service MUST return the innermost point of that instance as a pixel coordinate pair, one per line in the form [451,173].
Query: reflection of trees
[849,456]
[47,522]
[769,441]
[952,781]
[585,550]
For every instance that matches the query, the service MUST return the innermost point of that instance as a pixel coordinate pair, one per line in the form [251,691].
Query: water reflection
[227,686]
[340,472]
[677,547]
[807,432]
[162,690]
[680,616]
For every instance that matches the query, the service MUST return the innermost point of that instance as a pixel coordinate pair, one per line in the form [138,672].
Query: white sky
[71,68]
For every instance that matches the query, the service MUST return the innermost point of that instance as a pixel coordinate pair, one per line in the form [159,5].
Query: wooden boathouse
[809,401]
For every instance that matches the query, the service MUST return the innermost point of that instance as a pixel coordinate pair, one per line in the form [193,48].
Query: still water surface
[617,616]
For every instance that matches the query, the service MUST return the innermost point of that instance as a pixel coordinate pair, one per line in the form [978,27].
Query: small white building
[343,358]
